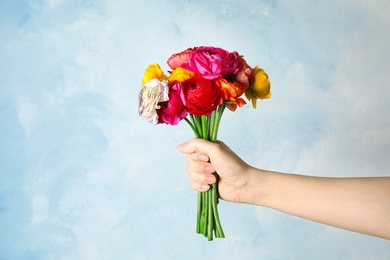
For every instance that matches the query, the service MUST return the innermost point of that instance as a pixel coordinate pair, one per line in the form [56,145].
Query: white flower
[153,92]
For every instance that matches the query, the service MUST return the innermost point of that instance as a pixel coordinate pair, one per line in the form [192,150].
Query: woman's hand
[204,158]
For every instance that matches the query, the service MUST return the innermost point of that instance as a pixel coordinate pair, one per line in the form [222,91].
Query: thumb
[196,145]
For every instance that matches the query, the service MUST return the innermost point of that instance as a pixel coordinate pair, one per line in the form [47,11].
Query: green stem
[211,123]
[204,127]
[208,222]
[198,226]
[198,125]
[204,214]
[220,109]
[194,129]
[218,227]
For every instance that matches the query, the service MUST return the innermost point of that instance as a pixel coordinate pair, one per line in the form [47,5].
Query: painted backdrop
[82,176]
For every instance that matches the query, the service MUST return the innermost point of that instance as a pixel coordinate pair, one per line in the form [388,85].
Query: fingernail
[203,157]
[208,168]
[210,179]
[204,187]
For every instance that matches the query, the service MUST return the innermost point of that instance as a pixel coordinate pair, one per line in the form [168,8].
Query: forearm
[357,204]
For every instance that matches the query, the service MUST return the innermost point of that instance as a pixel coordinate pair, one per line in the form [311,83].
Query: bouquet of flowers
[202,82]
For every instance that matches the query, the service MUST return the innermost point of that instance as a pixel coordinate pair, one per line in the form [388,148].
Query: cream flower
[152,93]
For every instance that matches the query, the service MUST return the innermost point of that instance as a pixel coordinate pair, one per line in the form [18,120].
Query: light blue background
[82,176]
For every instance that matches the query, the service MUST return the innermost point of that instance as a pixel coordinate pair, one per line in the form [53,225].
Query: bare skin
[356,204]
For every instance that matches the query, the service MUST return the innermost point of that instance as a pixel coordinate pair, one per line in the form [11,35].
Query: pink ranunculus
[177,59]
[212,62]
[244,71]
[172,111]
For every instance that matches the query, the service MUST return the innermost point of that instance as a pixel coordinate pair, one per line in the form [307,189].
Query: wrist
[255,190]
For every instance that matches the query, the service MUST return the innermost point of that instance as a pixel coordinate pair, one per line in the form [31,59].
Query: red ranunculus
[211,62]
[202,96]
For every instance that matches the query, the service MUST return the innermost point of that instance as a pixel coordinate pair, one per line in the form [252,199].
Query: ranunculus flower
[212,62]
[259,86]
[152,93]
[172,111]
[231,93]
[244,71]
[180,75]
[153,71]
[202,96]
[177,59]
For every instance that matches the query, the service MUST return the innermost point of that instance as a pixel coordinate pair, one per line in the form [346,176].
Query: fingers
[200,171]
[198,145]
[199,168]
[198,157]
[204,183]
[201,176]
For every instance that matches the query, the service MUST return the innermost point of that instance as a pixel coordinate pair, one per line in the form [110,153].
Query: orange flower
[259,86]
[231,93]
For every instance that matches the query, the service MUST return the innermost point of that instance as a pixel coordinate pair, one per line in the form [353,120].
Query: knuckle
[194,185]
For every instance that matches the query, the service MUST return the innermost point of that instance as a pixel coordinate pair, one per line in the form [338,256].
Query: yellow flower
[259,86]
[180,75]
[153,72]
